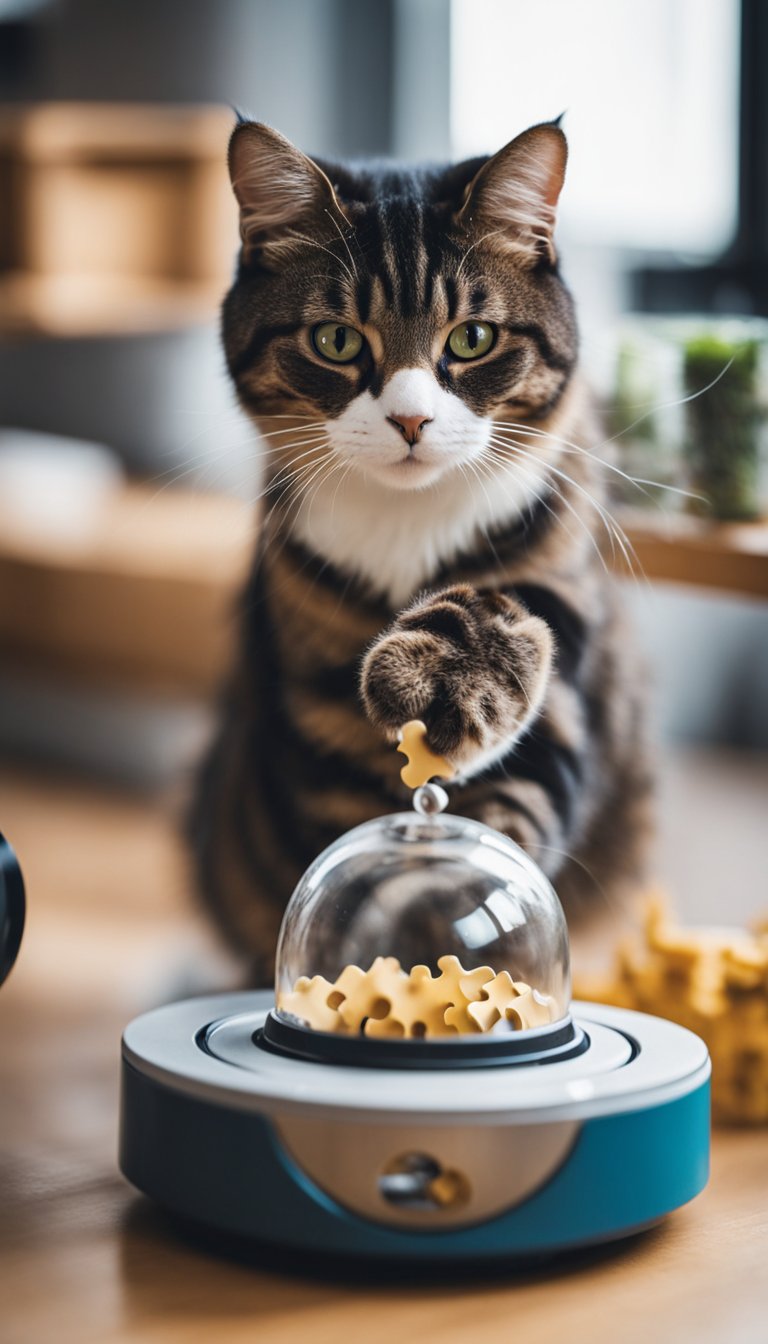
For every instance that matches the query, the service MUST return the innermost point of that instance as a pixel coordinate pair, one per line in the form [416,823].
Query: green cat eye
[335,341]
[470,340]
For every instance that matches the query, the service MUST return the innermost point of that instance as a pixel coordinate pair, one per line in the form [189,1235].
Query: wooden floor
[83,1258]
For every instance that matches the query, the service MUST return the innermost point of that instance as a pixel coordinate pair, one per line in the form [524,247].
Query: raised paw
[472,665]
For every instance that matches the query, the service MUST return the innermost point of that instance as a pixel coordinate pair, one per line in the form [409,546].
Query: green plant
[722,441]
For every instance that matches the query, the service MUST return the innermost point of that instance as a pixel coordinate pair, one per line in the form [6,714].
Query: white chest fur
[396,540]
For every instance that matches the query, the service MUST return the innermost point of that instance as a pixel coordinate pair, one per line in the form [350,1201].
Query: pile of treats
[387,1001]
[713,981]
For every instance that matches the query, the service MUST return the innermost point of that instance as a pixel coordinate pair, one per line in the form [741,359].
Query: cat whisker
[518,451]
[273,451]
[289,429]
[613,528]
[490,462]
[324,478]
[190,462]
[339,483]
[312,242]
[304,500]
[669,405]
[344,241]
[490,234]
[540,498]
[289,451]
[290,474]
[568,445]
[473,467]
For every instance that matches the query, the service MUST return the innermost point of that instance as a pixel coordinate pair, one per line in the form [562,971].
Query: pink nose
[410,426]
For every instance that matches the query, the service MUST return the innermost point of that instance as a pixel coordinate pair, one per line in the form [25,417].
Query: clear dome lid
[418,926]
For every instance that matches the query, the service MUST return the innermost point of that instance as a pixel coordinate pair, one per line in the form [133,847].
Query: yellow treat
[387,1002]
[531,1010]
[497,996]
[713,981]
[417,1008]
[423,764]
[369,994]
[458,988]
[309,1001]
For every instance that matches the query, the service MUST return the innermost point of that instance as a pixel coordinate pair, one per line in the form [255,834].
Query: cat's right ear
[281,192]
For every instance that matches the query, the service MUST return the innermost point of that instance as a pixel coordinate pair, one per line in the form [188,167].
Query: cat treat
[387,1001]
[423,763]
[713,981]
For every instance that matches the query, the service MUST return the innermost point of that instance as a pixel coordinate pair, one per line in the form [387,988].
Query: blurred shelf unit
[144,600]
[114,218]
[731,557]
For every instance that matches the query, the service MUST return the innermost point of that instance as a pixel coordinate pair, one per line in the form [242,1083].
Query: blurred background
[127,473]
[127,480]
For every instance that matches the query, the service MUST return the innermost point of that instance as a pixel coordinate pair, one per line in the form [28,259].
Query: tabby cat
[431,545]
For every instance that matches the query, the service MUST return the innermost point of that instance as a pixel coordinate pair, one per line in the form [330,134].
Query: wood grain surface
[84,1258]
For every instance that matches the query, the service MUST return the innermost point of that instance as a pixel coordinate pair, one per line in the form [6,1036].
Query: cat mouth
[414,470]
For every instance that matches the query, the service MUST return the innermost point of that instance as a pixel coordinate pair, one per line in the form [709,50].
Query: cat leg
[473,665]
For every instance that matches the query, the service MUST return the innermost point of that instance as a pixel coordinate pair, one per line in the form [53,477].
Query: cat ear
[281,192]
[515,193]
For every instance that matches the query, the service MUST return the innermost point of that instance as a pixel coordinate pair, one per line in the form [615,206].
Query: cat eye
[470,340]
[337,342]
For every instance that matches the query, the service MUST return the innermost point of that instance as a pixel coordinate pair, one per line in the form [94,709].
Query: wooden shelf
[114,217]
[677,549]
[78,306]
[141,600]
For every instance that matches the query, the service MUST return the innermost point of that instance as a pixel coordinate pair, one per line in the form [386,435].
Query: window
[651,95]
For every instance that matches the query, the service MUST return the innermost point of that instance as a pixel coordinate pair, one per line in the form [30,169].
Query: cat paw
[473,666]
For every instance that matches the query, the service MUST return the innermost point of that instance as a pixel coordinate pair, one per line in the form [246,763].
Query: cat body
[431,545]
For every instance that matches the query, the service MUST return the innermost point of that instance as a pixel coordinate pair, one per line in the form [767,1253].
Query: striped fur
[459,581]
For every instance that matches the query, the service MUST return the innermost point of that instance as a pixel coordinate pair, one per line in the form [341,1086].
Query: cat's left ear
[515,193]
[281,192]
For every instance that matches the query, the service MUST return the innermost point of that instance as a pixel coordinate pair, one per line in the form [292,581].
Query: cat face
[397,313]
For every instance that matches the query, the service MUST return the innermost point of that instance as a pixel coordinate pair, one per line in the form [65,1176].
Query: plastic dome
[439,913]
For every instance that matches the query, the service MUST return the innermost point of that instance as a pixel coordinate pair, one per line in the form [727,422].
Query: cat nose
[410,426]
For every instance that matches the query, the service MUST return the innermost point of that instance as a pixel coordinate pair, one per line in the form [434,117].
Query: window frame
[737,280]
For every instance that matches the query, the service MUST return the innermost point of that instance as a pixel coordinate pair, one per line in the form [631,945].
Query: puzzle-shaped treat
[314,1001]
[423,763]
[387,1002]
[368,995]
[461,989]
[511,1003]
[713,981]
[496,997]
[417,1008]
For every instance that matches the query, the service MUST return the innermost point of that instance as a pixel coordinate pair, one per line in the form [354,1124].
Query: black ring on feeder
[13,908]
[537,1045]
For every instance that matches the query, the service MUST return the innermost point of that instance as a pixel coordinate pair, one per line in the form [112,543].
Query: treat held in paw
[423,763]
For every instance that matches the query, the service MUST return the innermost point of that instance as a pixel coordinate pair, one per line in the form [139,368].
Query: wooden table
[83,1258]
